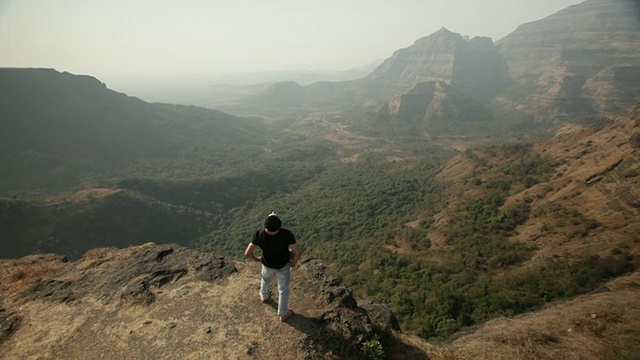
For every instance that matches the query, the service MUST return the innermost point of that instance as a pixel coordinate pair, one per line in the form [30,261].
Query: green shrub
[372,349]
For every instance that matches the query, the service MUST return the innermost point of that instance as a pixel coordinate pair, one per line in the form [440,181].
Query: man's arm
[249,252]
[297,254]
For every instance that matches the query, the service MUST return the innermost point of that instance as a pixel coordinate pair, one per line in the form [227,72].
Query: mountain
[433,108]
[93,218]
[579,61]
[59,130]
[587,204]
[502,249]
[473,66]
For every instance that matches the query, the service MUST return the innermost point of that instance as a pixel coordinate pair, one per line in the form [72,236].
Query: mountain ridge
[579,61]
[57,125]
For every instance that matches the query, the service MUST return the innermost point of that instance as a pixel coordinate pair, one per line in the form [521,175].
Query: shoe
[286,317]
[264,300]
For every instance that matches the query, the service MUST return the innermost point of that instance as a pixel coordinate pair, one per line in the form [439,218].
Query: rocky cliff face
[474,66]
[435,108]
[581,60]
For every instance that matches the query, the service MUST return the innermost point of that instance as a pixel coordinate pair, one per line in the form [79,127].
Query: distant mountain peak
[445,56]
[439,38]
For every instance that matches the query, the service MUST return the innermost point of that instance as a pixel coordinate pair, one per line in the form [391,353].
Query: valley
[473,187]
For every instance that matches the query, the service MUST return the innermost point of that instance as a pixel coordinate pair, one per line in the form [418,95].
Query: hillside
[580,61]
[587,205]
[61,130]
[91,218]
[474,66]
[512,228]
[430,109]
[168,302]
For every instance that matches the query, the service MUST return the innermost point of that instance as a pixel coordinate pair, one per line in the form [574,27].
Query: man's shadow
[324,339]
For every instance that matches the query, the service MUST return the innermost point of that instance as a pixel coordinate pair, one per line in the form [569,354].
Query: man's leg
[284,276]
[267,273]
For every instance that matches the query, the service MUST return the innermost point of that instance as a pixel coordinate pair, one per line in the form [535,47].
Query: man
[276,244]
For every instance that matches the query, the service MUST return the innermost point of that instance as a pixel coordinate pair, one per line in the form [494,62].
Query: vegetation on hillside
[348,200]
[437,298]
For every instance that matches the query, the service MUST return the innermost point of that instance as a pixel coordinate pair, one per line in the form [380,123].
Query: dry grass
[598,326]
[97,256]
[86,194]
[17,275]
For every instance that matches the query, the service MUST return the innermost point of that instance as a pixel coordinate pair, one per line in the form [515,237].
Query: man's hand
[295,254]
[249,253]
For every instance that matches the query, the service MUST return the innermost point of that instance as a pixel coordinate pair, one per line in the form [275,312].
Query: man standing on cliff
[277,245]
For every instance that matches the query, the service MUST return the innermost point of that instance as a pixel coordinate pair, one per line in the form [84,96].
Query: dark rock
[344,325]
[381,315]
[634,141]
[50,290]
[353,325]
[153,267]
[138,292]
[342,296]
[209,267]
[9,322]
[332,281]
[251,347]
[313,268]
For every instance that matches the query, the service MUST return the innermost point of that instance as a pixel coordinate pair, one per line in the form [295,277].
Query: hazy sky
[118,39]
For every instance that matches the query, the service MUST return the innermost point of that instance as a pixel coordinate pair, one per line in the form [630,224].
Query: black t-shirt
[275,248]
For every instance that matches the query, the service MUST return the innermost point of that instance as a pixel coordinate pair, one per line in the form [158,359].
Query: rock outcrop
[170,302]
[434,108]
[474,66]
